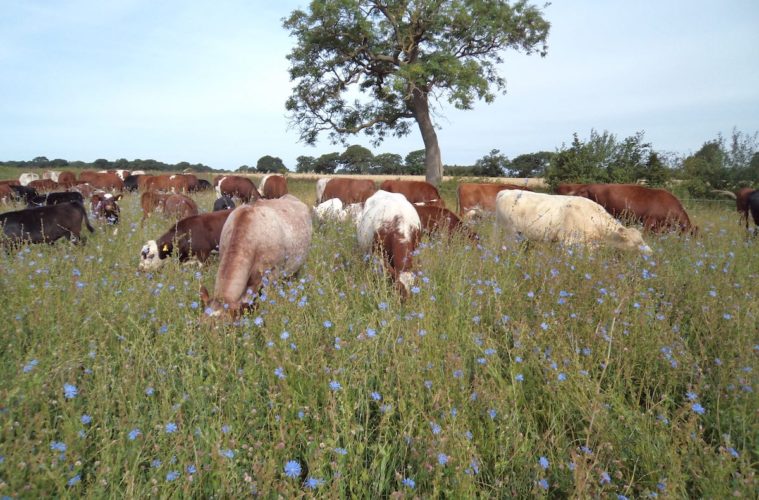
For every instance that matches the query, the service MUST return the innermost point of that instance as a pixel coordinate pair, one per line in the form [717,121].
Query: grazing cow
[85,189]
[437,219]
[28,177]
[6,193]
[204,185]
[195,236]
[268,236]
[657,209]
[43,185]
[25,193]
[390,224]
[564,219]
[131,182]
[10,182]
[179,206]
[107,181]
[105,207]
[223,203]
[476,198]
[345,189]
[87,175]
[55,198]
[51,174]
[176,183]
[333,209]
[66,179]
[753,206]
[242,187]
[152,201]
[568,189]
[417,192]
[273,186]
[45,224]
[741,203]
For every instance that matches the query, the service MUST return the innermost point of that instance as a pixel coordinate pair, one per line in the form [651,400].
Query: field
[512,371]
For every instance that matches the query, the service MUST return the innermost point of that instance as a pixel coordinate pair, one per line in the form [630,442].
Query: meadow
[512,370]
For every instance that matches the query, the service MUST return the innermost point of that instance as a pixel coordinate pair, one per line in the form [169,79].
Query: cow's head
[152,257]
[214,309]
[629,238]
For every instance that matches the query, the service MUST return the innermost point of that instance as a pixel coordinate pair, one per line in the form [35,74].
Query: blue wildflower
[58,446]
[543,463]
[227,453]
[279,372]
[171,427]
[435,428]
[543,483]
[30,365]
[442,458]
[335,385]
[149,391]
[376,396]
[86,419]
[133,434]
[408,483]
[70,391]
[312,483]
[519,377]
[292,468]
[155,463]
[74,480]
[696,407]
[605,479]
[341,451]
[171,476]
[191,469]
[327,324]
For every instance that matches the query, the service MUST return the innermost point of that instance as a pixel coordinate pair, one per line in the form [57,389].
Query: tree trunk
[433,163]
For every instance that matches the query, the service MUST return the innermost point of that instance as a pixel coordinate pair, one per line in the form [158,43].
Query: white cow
[391,224]
[26,178]
[334,209]
[565,219]
[52,175]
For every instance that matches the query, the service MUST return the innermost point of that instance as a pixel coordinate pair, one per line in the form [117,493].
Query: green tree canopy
[415,162]
[491,165]
[268,164]
[327,163]
[356,159]
[304,164]
[530,164]
[376,66]
[387,163]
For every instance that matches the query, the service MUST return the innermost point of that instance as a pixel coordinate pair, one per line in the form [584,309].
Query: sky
[206,81]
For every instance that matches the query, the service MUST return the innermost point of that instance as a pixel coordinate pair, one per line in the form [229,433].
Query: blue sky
[207,81]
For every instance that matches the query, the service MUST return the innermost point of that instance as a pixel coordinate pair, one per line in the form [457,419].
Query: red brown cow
[176,183]
[66,178]
[180,206]
[242,187]
[6,193]
[741,203]
[416,192]
[152,201]
[475,198]
[270,238]
[195,236]
[657,209]
[273,186]
[437,219]
[43,185]
[345,189]
[10,182]
[87,175]
[105,181]
[390,225]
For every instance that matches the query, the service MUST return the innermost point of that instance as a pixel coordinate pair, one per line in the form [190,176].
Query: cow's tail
[78,204]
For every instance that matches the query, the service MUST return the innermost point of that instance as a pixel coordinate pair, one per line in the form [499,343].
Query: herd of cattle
[270,232]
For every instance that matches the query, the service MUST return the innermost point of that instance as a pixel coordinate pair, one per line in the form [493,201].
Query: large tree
[377,66]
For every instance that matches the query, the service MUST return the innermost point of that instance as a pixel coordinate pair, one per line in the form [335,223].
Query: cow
[741,203]
[24,193]
[242,187]
[269,238]
[45,224]
[656,209]
[179,206]
[43,185]
[107,181]
[753,207]
[10,182]
[273,186]
[223,203]
[87,175]
[55,198]
[416,192]
[85,189]
[138,172]
[131,182]
[564,219]
[437,219]
[66,179]
[204,185]
[6,193]
[333,209]
[345,189]
[176,183]
[28,177]
[474,199]
[51,174]
[105,207]
[195,236]
[390,225]
[151,201]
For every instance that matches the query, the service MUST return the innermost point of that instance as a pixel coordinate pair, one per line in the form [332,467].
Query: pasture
[512,370]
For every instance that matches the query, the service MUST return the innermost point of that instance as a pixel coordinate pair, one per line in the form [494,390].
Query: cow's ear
[204,295]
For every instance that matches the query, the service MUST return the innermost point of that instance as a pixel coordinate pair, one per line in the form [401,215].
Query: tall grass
[513,370]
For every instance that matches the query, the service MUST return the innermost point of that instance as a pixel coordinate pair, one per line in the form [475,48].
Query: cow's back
[414,191]
[348,190]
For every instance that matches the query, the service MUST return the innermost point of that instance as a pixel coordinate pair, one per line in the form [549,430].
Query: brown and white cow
[6,193]
[656,209]
[273,186]
[105,207]
[345,189]
[437,219]
[43,185]
[391,225]
[196,236]
[475,198]
[333,209]
[27,177]
[270,237]
[241,187]
[562,219]
[417,192]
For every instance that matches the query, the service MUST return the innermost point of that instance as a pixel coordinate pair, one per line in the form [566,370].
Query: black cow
[131,181]
[45,224]
[223,203]
[203,185]
[55,198]
[25,193]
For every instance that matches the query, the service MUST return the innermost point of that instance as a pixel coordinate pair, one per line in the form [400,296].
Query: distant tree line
[721,163]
